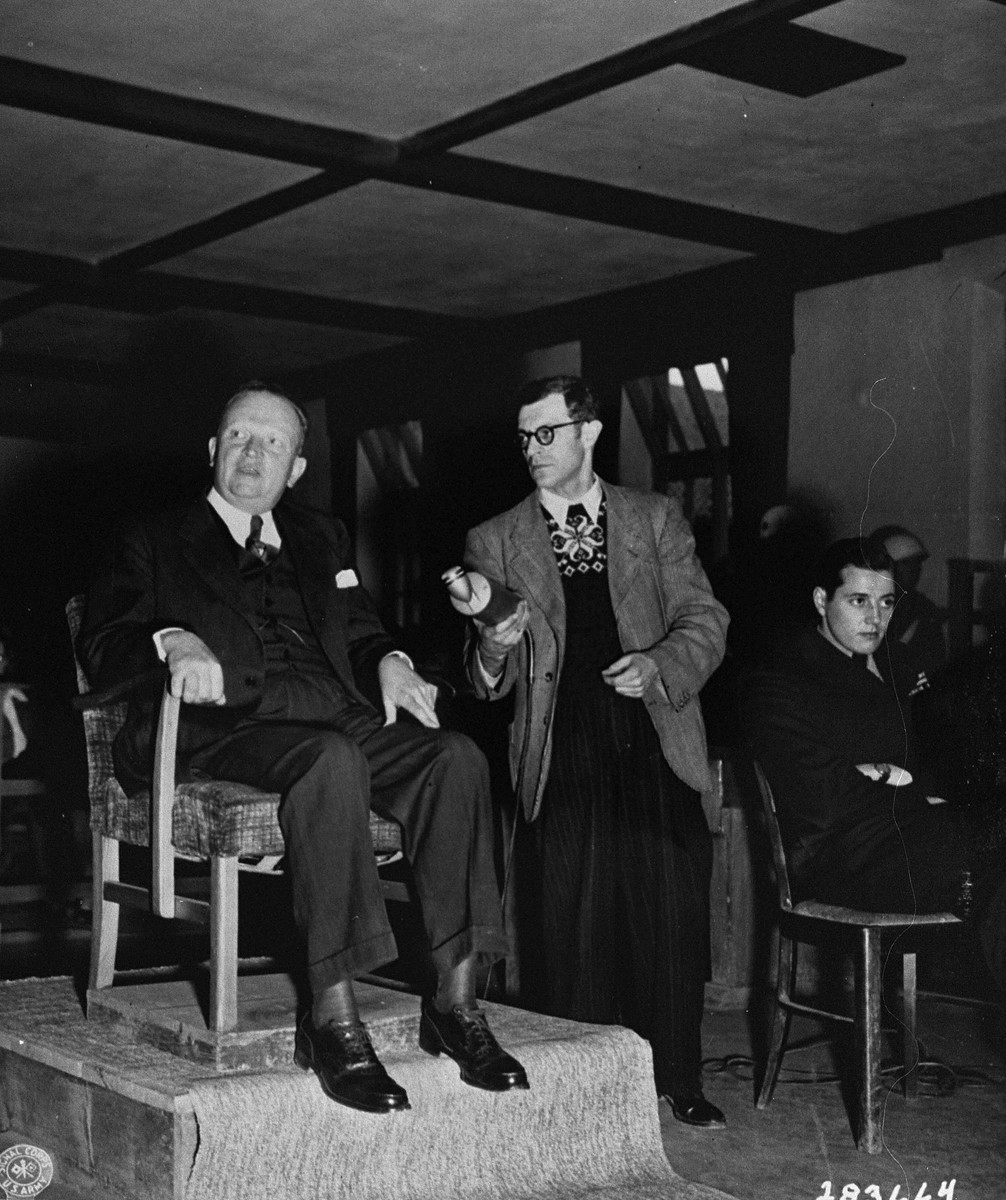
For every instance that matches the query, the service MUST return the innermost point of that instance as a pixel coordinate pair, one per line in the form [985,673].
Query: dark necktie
[255,545]
[576,517]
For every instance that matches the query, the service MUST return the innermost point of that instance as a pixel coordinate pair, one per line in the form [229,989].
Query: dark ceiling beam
[893,246]
[563,195]
[77,282]
[602,74]
[346,157]
[346,165]
[234,220]
[924,236]
[730,290]
[87,98]
[201,233]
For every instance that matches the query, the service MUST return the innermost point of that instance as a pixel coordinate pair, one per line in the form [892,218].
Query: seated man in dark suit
[835,740]
[291,684]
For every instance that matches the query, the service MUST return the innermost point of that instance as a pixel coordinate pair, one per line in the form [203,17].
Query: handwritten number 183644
[852,1191]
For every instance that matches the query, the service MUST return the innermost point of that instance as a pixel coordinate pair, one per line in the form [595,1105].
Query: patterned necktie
[255,545]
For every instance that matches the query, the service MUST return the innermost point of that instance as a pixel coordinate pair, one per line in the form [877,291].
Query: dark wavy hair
[580,403]
[869,553]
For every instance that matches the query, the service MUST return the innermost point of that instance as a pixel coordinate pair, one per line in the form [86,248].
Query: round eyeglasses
[544,435]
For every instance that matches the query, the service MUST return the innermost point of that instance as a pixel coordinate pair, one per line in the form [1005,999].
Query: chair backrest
[100,724]
[775,837]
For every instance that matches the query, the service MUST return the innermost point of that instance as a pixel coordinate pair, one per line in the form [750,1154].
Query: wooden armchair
[214,820]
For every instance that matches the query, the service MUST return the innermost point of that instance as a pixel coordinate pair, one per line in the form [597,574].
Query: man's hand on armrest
[196,674]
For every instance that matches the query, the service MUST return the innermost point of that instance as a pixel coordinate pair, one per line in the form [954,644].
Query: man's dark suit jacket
[179,569]
[810,718]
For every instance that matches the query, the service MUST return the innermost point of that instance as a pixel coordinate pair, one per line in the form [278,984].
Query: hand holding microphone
[501,615]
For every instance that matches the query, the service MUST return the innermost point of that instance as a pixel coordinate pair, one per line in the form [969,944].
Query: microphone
[475,595]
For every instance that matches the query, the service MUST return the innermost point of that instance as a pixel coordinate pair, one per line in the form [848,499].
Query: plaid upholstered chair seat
[210,816]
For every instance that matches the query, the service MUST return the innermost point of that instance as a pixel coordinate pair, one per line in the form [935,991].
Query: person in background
[606,654]
[916,623]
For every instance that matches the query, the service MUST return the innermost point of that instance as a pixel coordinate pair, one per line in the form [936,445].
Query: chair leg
[867,1037]
[224,944]
[780,1020]
[909,1042]
[104,913]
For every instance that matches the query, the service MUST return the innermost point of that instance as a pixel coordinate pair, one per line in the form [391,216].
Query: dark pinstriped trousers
[433,782]
[624,857]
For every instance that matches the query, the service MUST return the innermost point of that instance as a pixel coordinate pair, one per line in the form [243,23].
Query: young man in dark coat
[835,740]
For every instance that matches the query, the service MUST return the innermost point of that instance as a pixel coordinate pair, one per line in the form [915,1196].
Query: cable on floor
[936,1078]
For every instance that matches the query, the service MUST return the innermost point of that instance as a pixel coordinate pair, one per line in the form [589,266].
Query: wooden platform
[170,1015]
[110,1107]
[121,1119]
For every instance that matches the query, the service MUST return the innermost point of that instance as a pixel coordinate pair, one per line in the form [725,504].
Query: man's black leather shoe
[464,1035]
[347,1067]
[696,1110]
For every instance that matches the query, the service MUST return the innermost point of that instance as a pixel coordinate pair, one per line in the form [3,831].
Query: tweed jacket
[177,569]
[663,605]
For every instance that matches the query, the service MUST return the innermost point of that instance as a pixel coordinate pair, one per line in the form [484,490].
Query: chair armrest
[162,803]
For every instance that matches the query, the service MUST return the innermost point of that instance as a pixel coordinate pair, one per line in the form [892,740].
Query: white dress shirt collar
[558,506]
[238,522]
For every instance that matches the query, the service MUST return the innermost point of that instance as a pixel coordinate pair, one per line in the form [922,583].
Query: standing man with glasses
[617,632]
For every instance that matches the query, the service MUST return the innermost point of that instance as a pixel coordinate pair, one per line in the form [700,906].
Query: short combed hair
[257,385]
[867,553]
[580,403]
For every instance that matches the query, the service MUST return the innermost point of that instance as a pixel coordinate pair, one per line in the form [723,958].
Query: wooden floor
[955,1130]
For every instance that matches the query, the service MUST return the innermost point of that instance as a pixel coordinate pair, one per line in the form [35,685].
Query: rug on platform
[588,1128]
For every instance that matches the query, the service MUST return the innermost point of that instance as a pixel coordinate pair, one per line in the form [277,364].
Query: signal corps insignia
[25,1170]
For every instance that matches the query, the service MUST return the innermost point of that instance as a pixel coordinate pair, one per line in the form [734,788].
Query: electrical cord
[936,1078]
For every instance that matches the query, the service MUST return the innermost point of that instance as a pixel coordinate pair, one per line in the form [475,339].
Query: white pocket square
[346,579]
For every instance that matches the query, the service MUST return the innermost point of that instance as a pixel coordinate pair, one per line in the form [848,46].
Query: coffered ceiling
[296,182]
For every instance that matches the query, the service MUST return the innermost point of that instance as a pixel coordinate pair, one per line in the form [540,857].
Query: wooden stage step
[171,1016]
